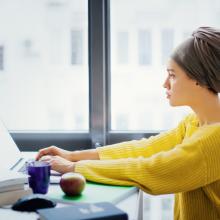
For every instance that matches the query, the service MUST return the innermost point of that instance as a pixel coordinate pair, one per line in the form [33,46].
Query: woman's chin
[172,103]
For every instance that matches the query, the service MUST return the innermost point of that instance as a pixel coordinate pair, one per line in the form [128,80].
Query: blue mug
[39,176]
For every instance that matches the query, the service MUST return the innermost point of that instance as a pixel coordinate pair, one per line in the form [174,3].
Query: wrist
[91,154]
[71,167]
[74,156]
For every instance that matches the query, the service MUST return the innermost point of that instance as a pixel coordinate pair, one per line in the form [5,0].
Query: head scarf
[199,57]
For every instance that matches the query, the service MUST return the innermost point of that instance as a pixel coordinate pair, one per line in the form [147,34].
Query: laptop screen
[9,152]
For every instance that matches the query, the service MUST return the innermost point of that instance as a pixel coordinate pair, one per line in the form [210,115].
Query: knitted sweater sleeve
[144,147]
[190,165]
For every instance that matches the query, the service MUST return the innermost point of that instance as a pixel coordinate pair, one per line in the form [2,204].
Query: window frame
[99,133]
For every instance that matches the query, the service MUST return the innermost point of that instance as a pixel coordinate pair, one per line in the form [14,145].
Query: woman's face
[180,89]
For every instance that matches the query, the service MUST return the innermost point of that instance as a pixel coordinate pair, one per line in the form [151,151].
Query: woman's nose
[166,83]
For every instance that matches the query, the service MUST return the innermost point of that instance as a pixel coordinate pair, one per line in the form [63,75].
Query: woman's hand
[73,156]
[54,151]
[59,164]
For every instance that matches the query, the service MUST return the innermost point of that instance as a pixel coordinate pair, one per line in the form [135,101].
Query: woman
[185,160]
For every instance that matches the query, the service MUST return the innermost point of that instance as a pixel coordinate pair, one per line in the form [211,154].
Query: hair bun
[199,56]
[209,35]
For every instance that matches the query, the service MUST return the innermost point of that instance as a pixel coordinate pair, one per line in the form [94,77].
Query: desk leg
[140,206]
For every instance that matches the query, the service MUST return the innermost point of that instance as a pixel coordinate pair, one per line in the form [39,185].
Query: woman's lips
[168,95]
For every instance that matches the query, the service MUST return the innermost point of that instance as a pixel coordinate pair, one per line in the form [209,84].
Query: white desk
[132,204]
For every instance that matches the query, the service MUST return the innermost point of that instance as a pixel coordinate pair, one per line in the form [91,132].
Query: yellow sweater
[184,161]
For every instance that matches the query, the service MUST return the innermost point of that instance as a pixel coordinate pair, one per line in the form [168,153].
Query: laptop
[11,157]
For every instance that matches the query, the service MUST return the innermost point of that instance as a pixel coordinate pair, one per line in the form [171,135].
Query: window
[144,47]
[1,58]
[155,29]
[77,47]
[167,44]
[158,208]
[46,84]
[122,45]
[88,73]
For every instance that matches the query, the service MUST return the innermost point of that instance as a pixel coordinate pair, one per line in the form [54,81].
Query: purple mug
[39,176]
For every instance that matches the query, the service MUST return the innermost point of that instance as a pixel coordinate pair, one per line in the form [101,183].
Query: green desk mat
[93,192]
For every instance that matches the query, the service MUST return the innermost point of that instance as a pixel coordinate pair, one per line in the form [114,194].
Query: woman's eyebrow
[170,70]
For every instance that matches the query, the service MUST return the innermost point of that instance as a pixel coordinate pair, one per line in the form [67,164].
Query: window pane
[158,207]
[144,47]
[138,100]
[1,58]
[122,45]
[44,64]
[77,47]
[167,38]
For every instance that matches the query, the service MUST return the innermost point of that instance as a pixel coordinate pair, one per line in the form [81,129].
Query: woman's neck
[207,110]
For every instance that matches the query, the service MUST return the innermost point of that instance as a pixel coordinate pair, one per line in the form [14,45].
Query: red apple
[72,183]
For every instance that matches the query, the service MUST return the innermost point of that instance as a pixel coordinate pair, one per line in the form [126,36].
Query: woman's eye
[171,75]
